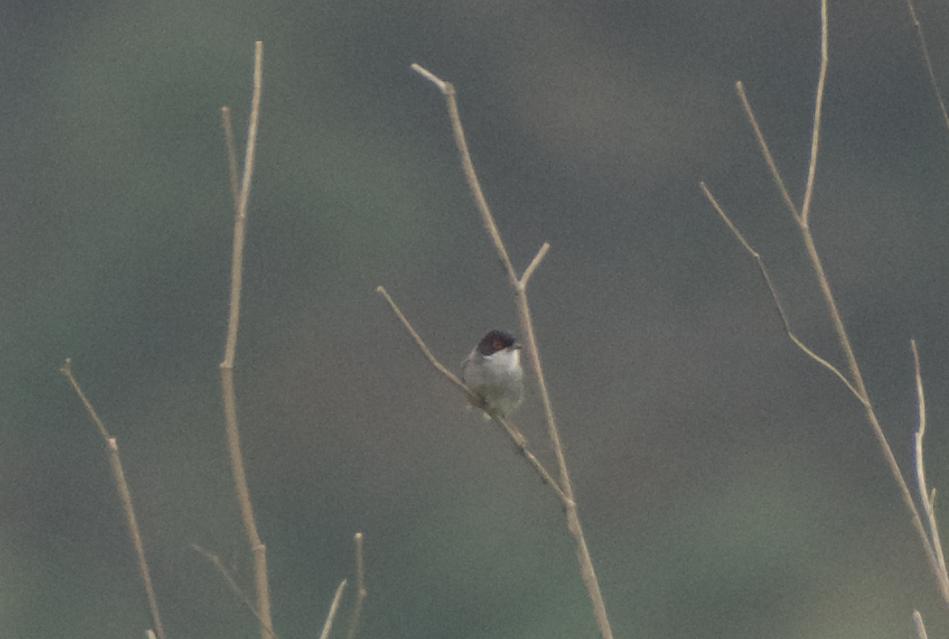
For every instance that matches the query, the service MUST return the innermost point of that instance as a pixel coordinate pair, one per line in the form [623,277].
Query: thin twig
[768,158]
[856,385]
[258,549]
[818,110]
[360,588]
[919,625]
[232,584]
[929,63]
[240,205]
[231,156]
[448,90]
[934,550]
[774,294]
[334,607]
[533,265]
[421,344]
[118,474]
[527,326]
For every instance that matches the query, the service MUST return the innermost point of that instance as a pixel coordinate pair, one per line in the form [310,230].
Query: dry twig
[519,285]
[258,549]
[801,217]
[118,474]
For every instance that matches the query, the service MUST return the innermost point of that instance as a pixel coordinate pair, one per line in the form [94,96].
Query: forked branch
[242,197]
[854,382]
[519,286]
[118,474]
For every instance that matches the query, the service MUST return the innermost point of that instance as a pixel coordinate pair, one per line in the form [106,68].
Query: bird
[492,371]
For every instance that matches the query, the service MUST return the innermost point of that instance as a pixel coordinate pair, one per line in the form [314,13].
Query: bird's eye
[498,344]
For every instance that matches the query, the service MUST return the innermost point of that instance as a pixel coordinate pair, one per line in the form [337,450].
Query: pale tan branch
[934,550]
[818,110]
[231,583]
[857,385]
[125,495]
[334,608]
[919,625]
[258,549]
[929,63]
[522,282]
[448,90]
[768,158]
[240,207]
[529,338]
[231,157]
[360,588]
[421,344]
[774,294]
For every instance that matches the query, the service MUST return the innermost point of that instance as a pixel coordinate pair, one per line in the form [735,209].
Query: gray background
[729,486]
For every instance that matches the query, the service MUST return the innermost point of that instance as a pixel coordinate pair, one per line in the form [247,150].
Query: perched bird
[493,373]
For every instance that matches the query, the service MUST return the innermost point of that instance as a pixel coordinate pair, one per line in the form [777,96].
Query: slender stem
[520,290]
[240,207]
[934,550]
[125,495]
[768,158]
[929,63]
[216,561]
[448,90]
[360,588]
[856,383]
[818,110]
[334,607]
[231,156]
[919,625]
[534,264]
[774,294]
[258,549]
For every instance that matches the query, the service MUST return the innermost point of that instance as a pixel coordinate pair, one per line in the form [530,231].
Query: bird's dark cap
[495,341]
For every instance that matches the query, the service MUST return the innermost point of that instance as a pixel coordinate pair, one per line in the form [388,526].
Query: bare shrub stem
[360,587]
[928,62]
[258,549]
[334,608]
[855,381]
[118,474]
[519,284]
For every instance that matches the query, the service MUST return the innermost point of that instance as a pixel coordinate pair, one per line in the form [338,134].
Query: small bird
[493,373]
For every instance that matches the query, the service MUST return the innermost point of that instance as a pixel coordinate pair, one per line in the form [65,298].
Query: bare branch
[530,339]
[334,607]
[929,63]
[258,549]
[125,495]
[232,584]
[774,294]
[360,588]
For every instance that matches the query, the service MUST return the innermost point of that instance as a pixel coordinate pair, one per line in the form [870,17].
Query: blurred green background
[729,486]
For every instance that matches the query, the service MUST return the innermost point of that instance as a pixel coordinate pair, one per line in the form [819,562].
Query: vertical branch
[527,327]
[934,552]
[118,474]
[360,588]
[448,90]
[240,206]
[855,383]
[818,110]
[929,63]
[328,624]
[258,549]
